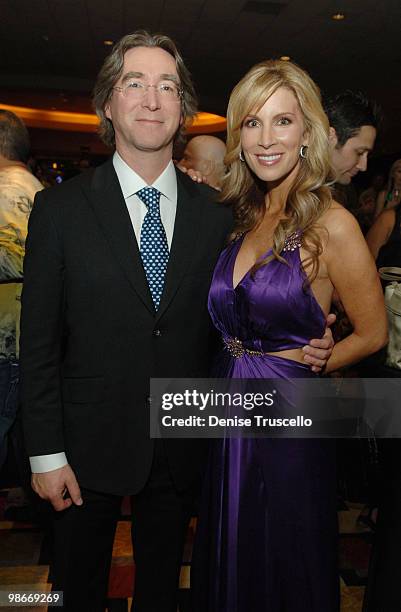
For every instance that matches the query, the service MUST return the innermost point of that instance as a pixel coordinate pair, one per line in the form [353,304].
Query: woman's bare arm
[381,198]
[352,272]
[380,232]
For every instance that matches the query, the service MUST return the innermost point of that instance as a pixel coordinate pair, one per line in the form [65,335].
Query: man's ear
[107,111]
[333,140]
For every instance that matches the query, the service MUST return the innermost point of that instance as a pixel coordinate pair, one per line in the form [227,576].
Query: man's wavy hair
[112,69]
[309,196]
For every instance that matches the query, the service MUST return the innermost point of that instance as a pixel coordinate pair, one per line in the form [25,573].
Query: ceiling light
[285,58]
[338,16]
[108,43]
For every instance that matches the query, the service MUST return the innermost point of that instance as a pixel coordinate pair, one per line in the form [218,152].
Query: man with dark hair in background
[118,267]
[17,191]
[354,121]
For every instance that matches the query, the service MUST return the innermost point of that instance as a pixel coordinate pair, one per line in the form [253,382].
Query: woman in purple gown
[267,534]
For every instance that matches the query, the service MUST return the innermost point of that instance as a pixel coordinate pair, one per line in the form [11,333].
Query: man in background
[354,120]
[17,191]
[205,154]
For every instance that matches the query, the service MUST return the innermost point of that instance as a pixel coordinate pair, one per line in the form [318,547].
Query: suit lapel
[108,204]
[185,235]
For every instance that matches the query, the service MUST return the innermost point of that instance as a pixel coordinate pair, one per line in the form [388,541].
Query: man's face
[150,121]
[191,158]
[352,157]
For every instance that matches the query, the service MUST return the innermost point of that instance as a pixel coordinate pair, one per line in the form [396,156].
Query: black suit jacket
[91,339]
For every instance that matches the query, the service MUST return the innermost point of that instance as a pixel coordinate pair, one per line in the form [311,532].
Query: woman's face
[271,137]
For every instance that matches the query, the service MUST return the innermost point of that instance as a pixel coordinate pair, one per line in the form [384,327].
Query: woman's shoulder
[336,219]
[339,230]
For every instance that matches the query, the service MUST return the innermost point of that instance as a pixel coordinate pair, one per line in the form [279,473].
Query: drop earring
[303,151]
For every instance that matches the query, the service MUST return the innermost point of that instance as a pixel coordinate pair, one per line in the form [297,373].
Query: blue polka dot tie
[154,247]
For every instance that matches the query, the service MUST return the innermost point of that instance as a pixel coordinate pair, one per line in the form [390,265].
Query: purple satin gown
[267,530]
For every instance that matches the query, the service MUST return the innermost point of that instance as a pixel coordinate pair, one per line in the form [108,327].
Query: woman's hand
[195,175]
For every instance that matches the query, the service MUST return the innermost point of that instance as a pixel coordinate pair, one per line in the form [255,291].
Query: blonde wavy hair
[310,195]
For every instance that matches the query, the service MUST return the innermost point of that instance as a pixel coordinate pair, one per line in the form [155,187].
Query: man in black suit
[99,321]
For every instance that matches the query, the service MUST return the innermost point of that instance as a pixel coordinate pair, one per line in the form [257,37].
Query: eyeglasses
[134,89]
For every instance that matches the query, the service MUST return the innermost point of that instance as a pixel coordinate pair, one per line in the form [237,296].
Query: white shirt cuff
[47,463]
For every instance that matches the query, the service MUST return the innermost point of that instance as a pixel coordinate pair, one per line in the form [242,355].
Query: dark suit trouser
[383,591]
[84,539]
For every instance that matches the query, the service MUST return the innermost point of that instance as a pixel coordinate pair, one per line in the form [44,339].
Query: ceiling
[51,50]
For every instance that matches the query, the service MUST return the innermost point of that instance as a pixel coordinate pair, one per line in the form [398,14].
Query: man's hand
[54,485]
[318,352]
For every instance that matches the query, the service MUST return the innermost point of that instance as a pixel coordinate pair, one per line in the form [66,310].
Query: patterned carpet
[24,556]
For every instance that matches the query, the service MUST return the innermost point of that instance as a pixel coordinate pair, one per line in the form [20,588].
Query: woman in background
[267,532]
[390,197]
[384,237]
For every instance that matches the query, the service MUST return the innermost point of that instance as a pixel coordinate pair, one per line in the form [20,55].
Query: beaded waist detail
[236,349]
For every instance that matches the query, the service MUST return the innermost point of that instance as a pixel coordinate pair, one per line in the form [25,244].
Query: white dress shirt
[130,183]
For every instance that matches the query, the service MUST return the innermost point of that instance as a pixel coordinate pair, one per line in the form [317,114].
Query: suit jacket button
[157,332]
